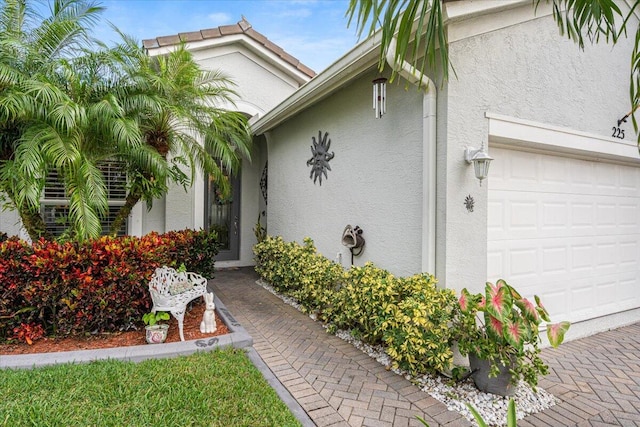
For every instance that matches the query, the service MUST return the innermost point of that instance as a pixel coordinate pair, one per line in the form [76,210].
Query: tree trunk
[32,220]
[132,199]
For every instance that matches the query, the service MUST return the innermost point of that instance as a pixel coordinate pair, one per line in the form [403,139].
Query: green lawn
[220,388]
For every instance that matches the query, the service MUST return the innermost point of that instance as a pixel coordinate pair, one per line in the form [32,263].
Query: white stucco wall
[375,179]
[256,83]
[527,71]
[10,223]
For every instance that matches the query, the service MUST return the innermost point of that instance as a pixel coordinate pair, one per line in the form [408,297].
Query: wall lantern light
[480,160]
[380,96]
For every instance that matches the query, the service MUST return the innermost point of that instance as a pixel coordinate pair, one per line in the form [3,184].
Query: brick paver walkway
[335,383]
[597,379]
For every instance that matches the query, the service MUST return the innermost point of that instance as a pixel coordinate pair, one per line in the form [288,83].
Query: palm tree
[110,131]
[39,120]
[65,107]
[186,125]
[419,29]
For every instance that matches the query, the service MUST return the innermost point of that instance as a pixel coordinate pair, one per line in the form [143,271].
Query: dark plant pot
[501,384]
[156,334]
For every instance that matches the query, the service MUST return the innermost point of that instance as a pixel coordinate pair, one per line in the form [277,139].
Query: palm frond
[416,25]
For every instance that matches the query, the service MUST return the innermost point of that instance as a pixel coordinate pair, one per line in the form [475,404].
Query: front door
[223,216]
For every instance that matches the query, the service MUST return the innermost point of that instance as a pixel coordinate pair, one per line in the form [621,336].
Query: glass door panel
[223,216]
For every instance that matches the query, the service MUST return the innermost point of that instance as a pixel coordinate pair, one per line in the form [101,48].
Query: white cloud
[220,18]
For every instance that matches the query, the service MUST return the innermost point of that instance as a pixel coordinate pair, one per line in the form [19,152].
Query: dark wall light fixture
[380,96]
[480,160]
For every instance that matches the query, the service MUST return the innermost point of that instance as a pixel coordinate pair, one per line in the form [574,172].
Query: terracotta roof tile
[168,40]
[230,29]
[274,47]
[210,33]
[306,70]
[150,43]
[242,27]
[256,36]
[290,59]
[190,36]
[244,24]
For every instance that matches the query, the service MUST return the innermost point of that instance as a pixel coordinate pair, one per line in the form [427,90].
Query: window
[55,203]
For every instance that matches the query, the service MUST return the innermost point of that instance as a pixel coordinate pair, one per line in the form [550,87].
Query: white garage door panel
[567,230]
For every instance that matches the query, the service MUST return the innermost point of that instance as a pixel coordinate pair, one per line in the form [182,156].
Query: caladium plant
[502,326]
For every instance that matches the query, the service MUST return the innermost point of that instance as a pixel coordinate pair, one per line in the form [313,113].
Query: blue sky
[314,31]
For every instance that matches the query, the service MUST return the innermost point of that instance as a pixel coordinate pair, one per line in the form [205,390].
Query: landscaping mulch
[192,320]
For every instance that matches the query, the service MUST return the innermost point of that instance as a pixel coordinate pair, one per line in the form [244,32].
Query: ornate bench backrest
[168,285]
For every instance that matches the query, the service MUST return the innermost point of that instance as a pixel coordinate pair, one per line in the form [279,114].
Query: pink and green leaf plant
[503,326]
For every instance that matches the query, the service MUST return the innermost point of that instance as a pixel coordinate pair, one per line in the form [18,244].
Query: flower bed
[76,288]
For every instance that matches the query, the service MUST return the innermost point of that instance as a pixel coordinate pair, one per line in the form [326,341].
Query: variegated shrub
[417,334]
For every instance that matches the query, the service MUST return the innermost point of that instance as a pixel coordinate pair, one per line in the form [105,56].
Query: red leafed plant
[507,331]
[99,285]
[28,332]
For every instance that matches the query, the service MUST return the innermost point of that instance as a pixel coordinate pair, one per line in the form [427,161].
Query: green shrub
[417,333]
[272,257]
[298,271]
[365,302]
[409,316]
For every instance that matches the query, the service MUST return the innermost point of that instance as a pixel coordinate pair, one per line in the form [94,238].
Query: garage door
[567,230]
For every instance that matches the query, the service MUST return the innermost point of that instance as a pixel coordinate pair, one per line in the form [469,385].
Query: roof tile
[168,40]
[256,36]
[306,70]
[274,47]
[242,27]
[210,33]
[191,36]
[150,43]
[230,29]
[289,58]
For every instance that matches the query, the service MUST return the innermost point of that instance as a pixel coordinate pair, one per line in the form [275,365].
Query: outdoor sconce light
[480,160]
[380,96]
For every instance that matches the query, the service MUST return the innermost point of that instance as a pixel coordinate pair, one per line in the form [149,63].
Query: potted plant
[156,332]
[503,343]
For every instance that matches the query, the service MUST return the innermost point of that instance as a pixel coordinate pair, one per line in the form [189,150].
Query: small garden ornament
[208,324]
[505,339]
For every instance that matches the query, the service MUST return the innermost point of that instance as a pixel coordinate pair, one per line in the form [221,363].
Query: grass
[219,388]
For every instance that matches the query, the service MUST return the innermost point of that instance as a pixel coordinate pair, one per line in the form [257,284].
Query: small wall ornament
[320,157]
[264,182]
[469,203]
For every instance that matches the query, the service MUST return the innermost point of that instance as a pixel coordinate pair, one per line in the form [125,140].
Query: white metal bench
[172,290]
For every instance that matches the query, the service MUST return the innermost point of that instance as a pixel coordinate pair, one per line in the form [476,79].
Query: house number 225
[617,132]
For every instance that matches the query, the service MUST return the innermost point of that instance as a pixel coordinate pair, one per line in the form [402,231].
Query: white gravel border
[455,396]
